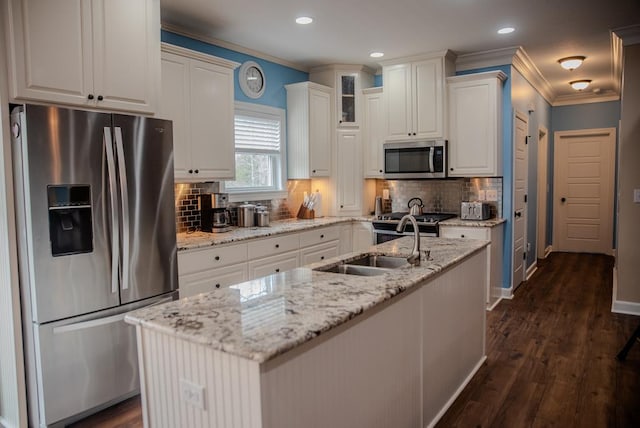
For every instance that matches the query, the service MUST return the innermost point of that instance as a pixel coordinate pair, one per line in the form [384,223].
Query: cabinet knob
[314,171]
[462,236]
[277,269]
[340,121]
[217,258]
[321,236]
[414,133]
[217,285]
[409,134]
[190,171]
[321,257]
[277,245]
[90,96]
[451,169]
[563,199]
[100,98]
[341,206]
[380,170]
[197,171]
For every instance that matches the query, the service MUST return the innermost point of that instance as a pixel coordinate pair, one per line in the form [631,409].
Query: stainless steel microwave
[415,159]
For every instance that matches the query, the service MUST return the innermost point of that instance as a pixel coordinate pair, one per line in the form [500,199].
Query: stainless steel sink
[380,261]
[348,269]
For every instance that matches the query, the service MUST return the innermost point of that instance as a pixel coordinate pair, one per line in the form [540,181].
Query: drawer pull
[277,245]
[277,269]
[321,236]
[217,258]
[462,236]
[321,257]
[217,285]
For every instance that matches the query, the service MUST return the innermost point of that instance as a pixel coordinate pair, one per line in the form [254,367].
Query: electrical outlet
[482,195]
[636,196]
[192,393]
[528,247]
[492,195]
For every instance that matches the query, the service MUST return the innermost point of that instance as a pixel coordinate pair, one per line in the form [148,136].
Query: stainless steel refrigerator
[96,224]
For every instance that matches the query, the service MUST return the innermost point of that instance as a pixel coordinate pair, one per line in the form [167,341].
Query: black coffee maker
[214,216]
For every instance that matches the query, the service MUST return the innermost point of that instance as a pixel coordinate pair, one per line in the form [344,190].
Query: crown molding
[497,74]
[178,50]
[630,35]
[531,73]
[587,98]
[491,58]
[446,54]
[343,67]
[616,62]
[181,31]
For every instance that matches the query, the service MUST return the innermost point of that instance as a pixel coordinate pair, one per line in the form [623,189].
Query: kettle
[415,206]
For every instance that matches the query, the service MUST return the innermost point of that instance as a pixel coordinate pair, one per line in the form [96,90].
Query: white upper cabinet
[197,95]
[475,123]
[348,82]
[349,183]
[415,96]
[90,53]
[373,133]
[309,130]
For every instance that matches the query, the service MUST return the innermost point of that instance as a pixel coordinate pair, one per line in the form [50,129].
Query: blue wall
[586,116]
[276,75]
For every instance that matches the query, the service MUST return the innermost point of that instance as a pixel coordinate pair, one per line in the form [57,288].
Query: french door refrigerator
[96,226]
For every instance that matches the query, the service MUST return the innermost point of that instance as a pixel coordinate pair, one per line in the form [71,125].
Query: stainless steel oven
[415,159]
[384,229]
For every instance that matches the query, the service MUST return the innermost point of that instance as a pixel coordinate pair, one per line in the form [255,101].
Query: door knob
[517,214]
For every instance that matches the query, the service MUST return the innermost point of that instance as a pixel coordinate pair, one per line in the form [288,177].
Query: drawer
[209,280]
[270,265]
[276,245]
[211,258]
[319,236]
[319,252]
[483,233]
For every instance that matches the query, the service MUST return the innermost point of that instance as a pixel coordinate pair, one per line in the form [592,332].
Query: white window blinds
[257,134]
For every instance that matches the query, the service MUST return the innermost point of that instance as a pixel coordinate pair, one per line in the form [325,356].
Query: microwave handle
[431,153]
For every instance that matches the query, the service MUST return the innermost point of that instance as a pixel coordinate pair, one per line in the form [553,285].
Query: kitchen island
[314,348]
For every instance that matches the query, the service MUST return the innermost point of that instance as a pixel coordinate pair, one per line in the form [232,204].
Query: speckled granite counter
[189,241]
[266,317]
[492,222]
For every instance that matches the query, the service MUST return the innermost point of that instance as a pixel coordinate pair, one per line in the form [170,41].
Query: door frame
[610,133]
[525,117]
[543,193]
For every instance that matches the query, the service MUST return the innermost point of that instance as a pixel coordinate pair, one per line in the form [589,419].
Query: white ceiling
[347,31]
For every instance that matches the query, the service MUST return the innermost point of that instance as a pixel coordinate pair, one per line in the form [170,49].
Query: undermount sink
[380,261]
[367,265]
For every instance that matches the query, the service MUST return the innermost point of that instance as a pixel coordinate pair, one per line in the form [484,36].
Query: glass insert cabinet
[347,101]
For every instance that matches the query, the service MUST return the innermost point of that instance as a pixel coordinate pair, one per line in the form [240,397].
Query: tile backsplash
[440,195]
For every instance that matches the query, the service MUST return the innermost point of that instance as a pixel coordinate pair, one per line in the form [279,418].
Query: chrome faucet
[414,258]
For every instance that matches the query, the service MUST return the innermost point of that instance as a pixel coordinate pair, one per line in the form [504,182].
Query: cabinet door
[473,129]
[174,105]
[270,265]
[318,253]
[374,133]
[320,133]
[211,118]
[51,53]
[397,93]
[203,282]
[347,88]
[482,233]
[428,117]
[126,45]
[349,179]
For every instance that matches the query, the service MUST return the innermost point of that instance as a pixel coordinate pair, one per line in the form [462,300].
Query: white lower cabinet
[274,264]
[494,262]
[362,236]
[317,253]
[209,280]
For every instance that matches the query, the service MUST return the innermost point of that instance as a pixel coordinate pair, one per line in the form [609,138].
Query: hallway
[551,354]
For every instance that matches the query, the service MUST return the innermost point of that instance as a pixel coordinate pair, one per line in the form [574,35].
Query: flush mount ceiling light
[579,85]
[376,54]
[304,20]
[506,30]
[571,62]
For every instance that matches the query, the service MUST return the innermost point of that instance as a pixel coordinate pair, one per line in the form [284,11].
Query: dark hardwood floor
[550,357]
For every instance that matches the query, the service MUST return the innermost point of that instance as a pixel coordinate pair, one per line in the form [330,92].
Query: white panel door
[53,52]
[126,54]
[320,133]
[397,93]
[211,119]
[583,191]
[428,95]
[349,180]
[519,199]
[174,106]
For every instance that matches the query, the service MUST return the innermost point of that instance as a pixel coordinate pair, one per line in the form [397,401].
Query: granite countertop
[266,317]
[190,241]
[492,222]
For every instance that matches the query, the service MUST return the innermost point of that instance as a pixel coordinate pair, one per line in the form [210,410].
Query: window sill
[257,196]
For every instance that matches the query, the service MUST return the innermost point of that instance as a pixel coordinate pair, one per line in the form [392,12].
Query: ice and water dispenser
[70,228]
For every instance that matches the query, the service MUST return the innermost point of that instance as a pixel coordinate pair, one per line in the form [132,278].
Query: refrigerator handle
[115,226]
[124,194]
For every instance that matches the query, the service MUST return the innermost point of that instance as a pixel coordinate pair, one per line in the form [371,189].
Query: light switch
[636,196]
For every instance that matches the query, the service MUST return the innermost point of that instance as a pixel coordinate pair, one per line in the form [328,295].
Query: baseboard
[548,251]
[455,395]
[531,270]
[507,293]
[622,307]
[492,307]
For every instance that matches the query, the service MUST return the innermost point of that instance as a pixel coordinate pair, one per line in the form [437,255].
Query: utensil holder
[305,213]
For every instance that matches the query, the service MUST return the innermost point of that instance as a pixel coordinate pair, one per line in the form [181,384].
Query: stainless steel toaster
[475,211]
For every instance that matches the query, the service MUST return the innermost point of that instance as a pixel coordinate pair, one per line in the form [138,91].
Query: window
[260,153]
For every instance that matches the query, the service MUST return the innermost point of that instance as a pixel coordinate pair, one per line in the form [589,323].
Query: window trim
[258,195]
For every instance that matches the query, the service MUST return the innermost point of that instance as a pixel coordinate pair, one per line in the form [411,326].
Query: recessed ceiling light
[304,20]
[571,62]
[579,85]
[376,54]
[506,30]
